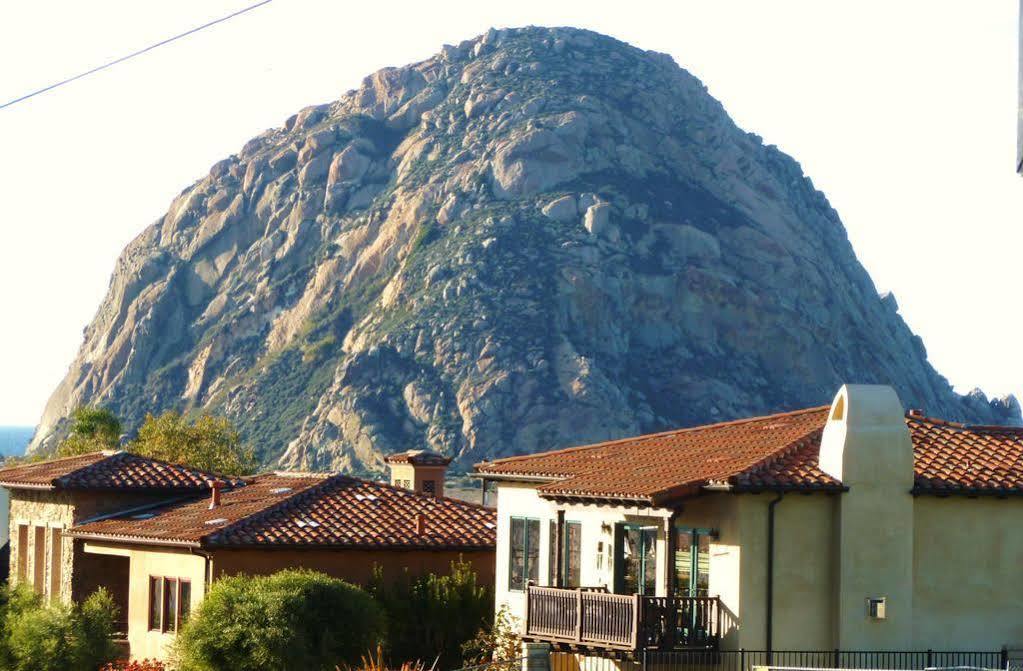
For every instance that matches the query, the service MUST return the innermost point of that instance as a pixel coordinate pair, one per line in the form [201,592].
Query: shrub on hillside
[430,615]
[294,620]
[38,637]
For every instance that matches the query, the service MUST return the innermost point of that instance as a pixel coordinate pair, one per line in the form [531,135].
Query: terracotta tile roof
[777,452]
[952,458]
[418,458]
[307,511]
[108,471]
[772,451]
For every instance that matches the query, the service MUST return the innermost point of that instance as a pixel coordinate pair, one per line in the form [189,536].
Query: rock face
[537,238]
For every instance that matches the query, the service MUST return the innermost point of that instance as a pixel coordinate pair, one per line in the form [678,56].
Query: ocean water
[14,439]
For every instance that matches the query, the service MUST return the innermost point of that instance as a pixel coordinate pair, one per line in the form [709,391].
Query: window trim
[525,551]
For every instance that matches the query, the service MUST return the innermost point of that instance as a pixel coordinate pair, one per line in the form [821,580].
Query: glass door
[636,565]
[692,561]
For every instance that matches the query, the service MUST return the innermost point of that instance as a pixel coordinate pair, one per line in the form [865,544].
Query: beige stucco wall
[156,562]
[968,573]
[417,475]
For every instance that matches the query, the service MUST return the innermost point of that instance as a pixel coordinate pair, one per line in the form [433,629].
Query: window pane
[185,602]
[573,553]
[683,561]
[155,589]
[630,553]
[170,604]
[649,561]
[516,563]
[703,565]
[533,550]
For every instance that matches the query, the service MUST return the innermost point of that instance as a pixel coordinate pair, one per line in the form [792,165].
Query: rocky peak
[536,238]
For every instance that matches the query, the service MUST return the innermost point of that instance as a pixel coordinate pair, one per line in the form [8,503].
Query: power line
[135,53]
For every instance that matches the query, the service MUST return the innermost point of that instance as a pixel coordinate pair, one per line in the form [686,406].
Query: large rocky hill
[536,238]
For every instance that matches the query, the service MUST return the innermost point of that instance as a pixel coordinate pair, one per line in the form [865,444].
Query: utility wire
[135,53]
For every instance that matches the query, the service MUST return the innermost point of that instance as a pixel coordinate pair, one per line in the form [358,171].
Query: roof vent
[302,524]
[365,497]
[219,520]
[420,524]
[916,412]
[280,490]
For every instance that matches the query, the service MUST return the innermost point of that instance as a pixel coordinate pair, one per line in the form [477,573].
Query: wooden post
[637,615]
[578,615]
[670,541]
[559,550]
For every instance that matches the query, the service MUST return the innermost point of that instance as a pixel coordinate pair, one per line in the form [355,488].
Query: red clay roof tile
[308,511]
[120,471]
[776,452]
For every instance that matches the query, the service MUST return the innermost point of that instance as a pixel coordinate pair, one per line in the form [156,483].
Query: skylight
[219,520]
[143,516]
[302,524]
[280,490]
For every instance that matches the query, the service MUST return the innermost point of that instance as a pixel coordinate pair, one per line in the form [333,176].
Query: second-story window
[524,559]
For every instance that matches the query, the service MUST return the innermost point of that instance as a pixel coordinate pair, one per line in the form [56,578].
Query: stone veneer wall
[49,509]
[55,509]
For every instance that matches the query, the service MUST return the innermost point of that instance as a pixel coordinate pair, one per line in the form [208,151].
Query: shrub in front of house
[432,616]
[35,636]
[293,620]
[134,665]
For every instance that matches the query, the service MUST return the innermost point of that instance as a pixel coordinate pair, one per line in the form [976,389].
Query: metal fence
[745,660]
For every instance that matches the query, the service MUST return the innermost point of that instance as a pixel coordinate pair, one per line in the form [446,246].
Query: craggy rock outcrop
[537,238]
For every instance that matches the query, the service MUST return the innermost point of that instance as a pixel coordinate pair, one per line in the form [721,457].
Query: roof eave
[515,477]
[27,485]
[131,540]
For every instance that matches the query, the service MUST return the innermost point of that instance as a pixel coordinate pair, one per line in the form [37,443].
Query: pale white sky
[903,113]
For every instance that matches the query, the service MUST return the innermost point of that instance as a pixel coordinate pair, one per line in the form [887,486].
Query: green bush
[430,616]
[39,637]
[294,620]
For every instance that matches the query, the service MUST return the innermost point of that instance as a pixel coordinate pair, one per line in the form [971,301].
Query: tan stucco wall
[417,475]
[156,562]
[968,573]
[866,445]
[804,572]
[355,566]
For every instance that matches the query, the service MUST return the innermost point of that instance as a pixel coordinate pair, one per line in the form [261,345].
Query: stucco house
[157,535]
[854,526]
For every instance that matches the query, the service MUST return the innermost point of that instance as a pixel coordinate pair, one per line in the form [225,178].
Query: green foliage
[92,429]
[209,443]
[498,641]
[294,620]
[38,637]
[433,615]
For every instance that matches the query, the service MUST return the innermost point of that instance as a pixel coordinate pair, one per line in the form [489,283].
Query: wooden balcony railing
[589,618]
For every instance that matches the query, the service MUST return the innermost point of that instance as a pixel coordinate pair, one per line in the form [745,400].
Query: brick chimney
[419,471]
[215,487]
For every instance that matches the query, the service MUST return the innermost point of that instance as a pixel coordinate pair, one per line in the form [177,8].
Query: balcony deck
[596,619]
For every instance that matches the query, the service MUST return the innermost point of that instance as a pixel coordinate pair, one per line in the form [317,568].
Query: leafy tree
[294,620]
[92,429]
[209,443]
[430,615]
[38,637]
[497,642]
